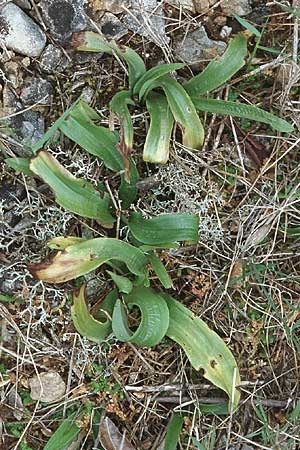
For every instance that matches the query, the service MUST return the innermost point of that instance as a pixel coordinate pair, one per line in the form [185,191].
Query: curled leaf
[111,438]
[85,323]
[154,318]
[76,195]
[152,74]
[220,70]
[156,148]
[79,259]
[183,110]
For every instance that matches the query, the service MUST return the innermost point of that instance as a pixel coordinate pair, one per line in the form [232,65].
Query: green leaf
[96,140]
[204,349]
[160,270]
[89,41]
[50,132]
[152,74]
[64,435]
[220,70]
[62,242]
[10,299]
[242,110]
[173,432]
[166,228]
[20,165]
[247,25]
[79,259]
[119,105]
[85,323]
[76,195]
[183,111]
[154,318]
[156,148]
[122,283]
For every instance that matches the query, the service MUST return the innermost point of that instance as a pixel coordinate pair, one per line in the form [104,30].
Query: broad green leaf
[20,165]
[65,434]
[89,41]
[156,148]
[204,349]
[173,432]
[83,111]
[242,110]
[127,192]
[152,74]
[166,228]
[119,105]
[160,270]
[183,111]
[220,70]
[123,284]
[96,140]
[247,25]
[50,132]
[62,242]
[85,323]
[76,195]
[154,318]
[79,259]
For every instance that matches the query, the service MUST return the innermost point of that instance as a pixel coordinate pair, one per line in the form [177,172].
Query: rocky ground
[244,184]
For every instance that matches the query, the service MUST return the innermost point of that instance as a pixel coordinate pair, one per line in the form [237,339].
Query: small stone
[112,6]
[87,94]
[197,46]
[13,73]
[29,128]
[37,90]
[112,27]
[47,387]
[19,32]
[239,7]
[185,4]
[225,32]
[53,60]
[63,17]
[147,18]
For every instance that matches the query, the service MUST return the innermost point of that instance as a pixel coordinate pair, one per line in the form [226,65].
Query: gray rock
[239,7]
[63,17]
[19,32]
[29,128]
[147,18]
[53,60]
[37,90]
[197,46]
[87,94]
[112,27]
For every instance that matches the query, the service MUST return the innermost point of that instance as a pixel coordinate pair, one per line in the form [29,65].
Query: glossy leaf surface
[164,229]
[183,110]
[123,284]
[152,74]
[160,270]
[154,318]
[220,70]
[65,434]
[79,259]
[20,165]
[204,349]
[157,144]
[76,195]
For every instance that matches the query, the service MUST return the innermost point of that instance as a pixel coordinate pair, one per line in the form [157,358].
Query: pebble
[63,17]
[112,27]
[113,6]
[53,60]
[197,46]
[239,7]
[142,20]
[47,387]
[19,32]
[36,90]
